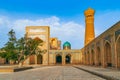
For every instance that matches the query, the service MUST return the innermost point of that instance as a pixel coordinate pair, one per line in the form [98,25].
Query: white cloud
[65,31]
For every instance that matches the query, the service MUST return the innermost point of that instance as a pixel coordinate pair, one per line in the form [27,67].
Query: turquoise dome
[66,44]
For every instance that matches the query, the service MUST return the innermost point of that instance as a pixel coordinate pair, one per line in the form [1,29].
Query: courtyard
[50,73]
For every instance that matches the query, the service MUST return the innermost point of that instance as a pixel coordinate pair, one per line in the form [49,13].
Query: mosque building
[103,50]
[55,54]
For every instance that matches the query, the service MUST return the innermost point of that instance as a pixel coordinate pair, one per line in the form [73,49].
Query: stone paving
[112,73]
[50,73]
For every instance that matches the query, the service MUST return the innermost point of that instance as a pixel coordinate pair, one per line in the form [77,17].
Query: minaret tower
[89,22]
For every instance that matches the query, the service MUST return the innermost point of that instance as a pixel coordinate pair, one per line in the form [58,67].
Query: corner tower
[89,22]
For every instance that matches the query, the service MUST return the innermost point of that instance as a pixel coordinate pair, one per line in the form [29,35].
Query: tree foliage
[21,49]
[27,47]
[9,52]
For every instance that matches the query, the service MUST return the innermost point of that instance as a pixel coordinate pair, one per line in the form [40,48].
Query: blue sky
[65,17]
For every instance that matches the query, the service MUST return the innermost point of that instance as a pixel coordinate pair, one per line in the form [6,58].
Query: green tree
[9,52]
[27,47]
[19,50]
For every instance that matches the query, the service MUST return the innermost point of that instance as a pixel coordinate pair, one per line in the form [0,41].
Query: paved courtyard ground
[50,73]
[110,73]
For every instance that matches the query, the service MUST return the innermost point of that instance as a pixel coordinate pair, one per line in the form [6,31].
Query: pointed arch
[58,59]
[108,54]
[68,59]
[32,59]
[92,57]
[39,59]
[88,56]
[118,51]
[85,58]
[98,56]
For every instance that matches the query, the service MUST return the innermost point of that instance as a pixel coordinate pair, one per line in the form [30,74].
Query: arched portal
[92,57]
[59,59]
[39,59]
[118,52]
[88,57]
[68,59]
[7,61]
[85,58]
[98,56]
[32,59]
[108,55]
